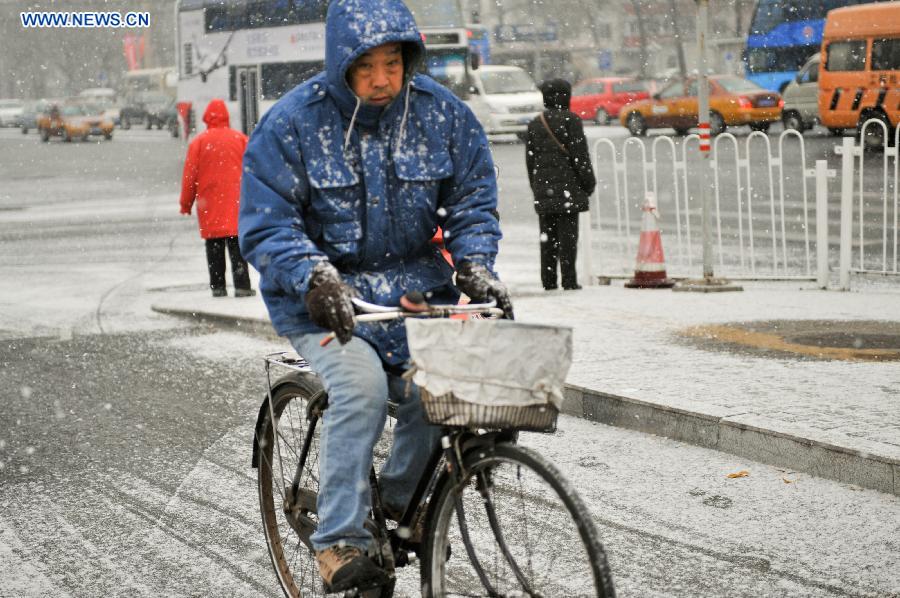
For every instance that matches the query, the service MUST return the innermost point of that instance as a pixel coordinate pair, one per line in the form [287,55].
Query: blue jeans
[358,389]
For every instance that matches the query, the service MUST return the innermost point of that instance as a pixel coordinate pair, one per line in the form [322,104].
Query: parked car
[801,97]
[131,112]
[10,112]
[602,99]
[733,101]
[30,112]
[144,107]
[504,98]
[163,116]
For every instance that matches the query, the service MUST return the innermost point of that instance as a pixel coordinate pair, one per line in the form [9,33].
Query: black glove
[329,301]
[480,285]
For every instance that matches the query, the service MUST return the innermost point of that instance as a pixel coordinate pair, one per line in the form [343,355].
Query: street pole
[703,92]
[709,283]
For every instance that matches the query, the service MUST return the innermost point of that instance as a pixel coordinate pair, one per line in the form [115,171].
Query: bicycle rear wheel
[514,528]
[289,518]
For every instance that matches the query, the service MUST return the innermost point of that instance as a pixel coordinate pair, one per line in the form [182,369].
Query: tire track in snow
[22,578]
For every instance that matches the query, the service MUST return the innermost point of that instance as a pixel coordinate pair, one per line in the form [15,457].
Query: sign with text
[525,33]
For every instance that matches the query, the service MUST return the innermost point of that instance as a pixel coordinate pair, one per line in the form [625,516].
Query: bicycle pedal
[376,592]
[403,558]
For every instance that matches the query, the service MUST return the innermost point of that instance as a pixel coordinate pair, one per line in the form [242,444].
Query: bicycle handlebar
[372,312]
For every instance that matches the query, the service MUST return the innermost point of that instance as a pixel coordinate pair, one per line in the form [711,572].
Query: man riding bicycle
[346,179]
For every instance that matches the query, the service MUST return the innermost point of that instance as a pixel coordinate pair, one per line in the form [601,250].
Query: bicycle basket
[490,373]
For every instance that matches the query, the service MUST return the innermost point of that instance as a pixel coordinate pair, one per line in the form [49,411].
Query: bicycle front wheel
[515,527]
[289,516]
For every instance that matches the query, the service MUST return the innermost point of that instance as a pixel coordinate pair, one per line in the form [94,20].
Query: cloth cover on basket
[491,362]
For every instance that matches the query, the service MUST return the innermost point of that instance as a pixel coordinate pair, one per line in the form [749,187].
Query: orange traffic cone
[650,271]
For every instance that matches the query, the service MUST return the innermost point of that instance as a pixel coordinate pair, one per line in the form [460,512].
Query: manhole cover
[865,340]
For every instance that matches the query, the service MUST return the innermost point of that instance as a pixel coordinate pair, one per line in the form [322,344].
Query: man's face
[377,76]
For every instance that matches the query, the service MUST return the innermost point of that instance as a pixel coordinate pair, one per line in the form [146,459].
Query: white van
[11,112]
[104,97]
[801,97]
[106,94]
[503,98]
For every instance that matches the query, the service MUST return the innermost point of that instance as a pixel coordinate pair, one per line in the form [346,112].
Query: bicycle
[520,528]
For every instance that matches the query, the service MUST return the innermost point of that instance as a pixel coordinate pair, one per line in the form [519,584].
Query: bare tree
[642,35]
[590,8]
[738,18]
[676,31]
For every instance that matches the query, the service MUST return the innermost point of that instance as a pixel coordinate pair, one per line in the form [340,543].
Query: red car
[601,99]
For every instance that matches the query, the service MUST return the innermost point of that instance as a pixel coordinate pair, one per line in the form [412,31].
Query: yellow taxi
[733,101]
[72,121]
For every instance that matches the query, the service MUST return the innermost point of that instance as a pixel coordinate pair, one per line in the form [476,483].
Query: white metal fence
[853,169]
[768,221]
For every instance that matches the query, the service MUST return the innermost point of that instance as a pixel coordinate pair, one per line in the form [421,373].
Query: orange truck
[860,75]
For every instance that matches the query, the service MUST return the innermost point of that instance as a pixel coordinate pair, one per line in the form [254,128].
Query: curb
[812,457]
[246,324]
[766,446]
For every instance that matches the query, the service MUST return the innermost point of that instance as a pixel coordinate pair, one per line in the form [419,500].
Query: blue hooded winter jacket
[365,187]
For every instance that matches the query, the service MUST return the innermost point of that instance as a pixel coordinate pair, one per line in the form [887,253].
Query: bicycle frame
[456,443]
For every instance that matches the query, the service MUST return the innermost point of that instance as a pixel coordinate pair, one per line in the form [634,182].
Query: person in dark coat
[346,180]
[562,180]
[212,179]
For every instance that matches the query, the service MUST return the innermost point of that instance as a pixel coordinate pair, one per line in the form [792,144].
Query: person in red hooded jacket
[212,179]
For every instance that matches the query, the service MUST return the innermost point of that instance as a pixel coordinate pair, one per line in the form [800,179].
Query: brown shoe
[346,567]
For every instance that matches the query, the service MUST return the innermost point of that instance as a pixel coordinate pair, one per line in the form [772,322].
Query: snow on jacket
[561,181]
[212,174]
[366,187]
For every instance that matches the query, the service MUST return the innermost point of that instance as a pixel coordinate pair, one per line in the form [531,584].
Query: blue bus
[783,35]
